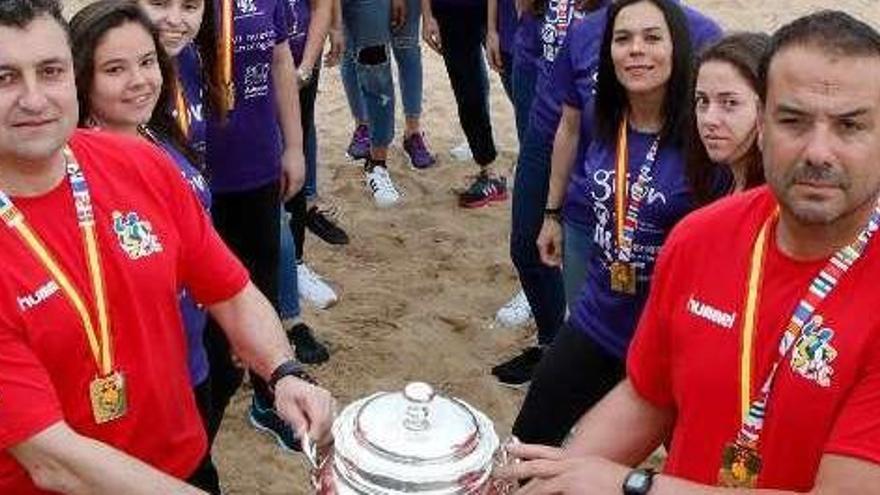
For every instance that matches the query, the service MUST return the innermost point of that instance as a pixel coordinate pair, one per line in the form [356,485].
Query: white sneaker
[516,312]
[462,152]
[383,190]
[313,289]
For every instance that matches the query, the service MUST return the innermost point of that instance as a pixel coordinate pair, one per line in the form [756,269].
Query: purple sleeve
[562,79]
[704,30]
[279,20]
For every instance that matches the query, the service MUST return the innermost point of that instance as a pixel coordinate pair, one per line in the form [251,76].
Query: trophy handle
[319,475]
[502,459]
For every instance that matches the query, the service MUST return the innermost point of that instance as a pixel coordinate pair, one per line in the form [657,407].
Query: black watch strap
[554,213]
[638,482]
[291,367]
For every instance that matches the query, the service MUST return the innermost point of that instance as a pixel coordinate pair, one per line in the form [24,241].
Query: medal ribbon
[627,214]
[225,49]
[14,219]
[181,110]
[825,282]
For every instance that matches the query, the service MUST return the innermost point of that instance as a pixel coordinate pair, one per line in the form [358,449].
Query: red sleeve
[649,367]
[205,266]
[856,433]
[28,404]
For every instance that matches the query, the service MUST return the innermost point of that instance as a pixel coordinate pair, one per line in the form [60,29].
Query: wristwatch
[638,482]
[291,367]
[554,213]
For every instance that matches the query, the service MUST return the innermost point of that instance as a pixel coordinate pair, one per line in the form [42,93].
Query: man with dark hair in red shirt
[757,358]
[98,234]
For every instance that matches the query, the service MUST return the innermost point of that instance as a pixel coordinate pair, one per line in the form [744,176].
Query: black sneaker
[517,371]
[483,191]
[307,349]
[266,420]
[322,225]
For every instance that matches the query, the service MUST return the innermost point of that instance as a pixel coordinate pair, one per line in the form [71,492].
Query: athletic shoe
[462,152]
[359,147]
[418,152]
[266,420]
[321,223]
[517,371]
[383,190]
[516,312]
[484,190]
[307,348]
[313,289]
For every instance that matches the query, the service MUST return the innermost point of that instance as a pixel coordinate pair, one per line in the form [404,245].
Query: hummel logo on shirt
[711,313]
[44,292]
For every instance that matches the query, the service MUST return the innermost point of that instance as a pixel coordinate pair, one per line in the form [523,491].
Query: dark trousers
[249,223]
[462,34]
[572,377]
[296,206]
[542,284]
[205,476]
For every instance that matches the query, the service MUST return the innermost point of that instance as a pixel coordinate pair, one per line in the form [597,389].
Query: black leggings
[296,206]
[462,34]
[205,476]
[573,376]
[249,223]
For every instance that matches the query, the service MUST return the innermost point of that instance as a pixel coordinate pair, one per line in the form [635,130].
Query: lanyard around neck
[99,341]
[627,212]
[754,411]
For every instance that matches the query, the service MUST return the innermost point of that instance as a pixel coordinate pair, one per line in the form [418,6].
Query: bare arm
[623,429]
[253,329]
[319,26]
[287,99]
[430,28]
[565,145]
[337,40]
[60,460]
[493,42]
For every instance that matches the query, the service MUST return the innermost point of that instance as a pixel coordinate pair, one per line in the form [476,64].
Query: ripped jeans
[368,28]
[406,45]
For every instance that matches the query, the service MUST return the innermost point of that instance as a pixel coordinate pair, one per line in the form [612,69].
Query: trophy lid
[413,441]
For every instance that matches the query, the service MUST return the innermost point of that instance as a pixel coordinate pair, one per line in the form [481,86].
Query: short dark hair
[20,13]
[832,31]
[88,28]
[611,98]
[744,52]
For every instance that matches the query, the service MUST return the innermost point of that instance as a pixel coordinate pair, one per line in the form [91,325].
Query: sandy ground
[419,284]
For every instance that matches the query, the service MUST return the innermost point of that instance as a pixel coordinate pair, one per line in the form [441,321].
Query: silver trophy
[412,441]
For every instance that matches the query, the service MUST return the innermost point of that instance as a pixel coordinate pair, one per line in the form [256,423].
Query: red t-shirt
[686,352]
[161,240]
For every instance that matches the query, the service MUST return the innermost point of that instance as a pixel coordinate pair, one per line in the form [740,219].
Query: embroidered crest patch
[813,354]
[135,236]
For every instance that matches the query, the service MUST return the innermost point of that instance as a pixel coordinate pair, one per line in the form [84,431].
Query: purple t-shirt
[299,15]
[539,39]
[194,316]
[607,317]
[507,22]
[244,153]
[189,72]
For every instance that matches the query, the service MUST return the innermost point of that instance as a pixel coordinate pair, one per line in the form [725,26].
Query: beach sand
[420,283]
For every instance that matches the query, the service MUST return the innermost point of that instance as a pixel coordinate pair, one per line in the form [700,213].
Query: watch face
[637,480]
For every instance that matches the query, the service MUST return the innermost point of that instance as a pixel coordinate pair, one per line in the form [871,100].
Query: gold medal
[740,465]
[623,277]
[108,397]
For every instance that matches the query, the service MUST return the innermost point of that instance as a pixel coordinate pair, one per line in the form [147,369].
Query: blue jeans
[576,251]
[541,283]
[368,27]
[405,43]
[506,74]
[523,80]
[288,292]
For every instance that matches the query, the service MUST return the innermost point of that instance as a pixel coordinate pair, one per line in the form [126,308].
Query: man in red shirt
[98,234]
[757,359]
